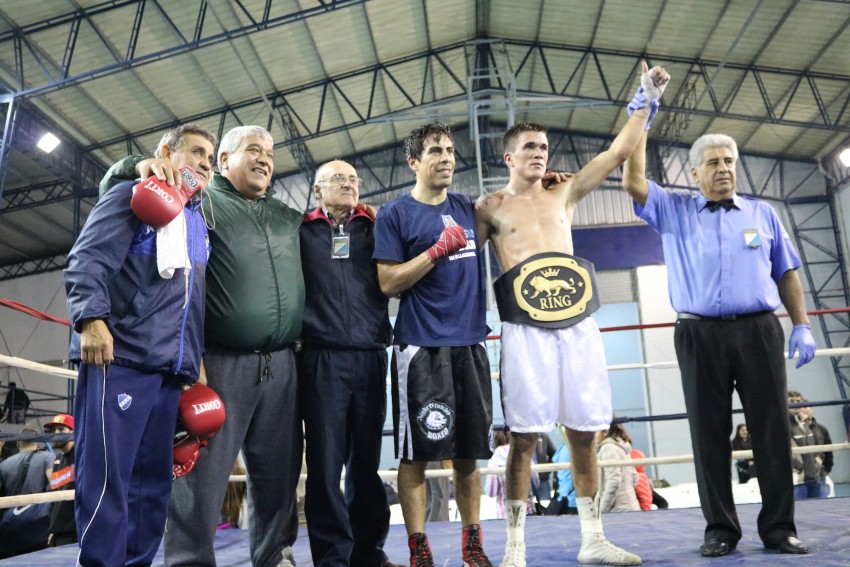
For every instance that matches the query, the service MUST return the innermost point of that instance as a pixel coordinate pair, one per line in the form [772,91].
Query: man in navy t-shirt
[442,400]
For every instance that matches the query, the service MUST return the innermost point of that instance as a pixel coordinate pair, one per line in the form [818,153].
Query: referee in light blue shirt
[730,265]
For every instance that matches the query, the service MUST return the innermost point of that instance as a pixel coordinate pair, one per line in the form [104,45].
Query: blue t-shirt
[447,307]
[722,262]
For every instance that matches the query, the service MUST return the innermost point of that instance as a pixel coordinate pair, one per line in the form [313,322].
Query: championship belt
[550,290]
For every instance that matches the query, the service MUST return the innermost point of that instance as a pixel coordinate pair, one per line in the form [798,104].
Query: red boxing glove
[186,453]
[157,203]
[191,182]
[451,240]
[201,411]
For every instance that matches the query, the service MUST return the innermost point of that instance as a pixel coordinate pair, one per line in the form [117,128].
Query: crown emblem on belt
[550,272]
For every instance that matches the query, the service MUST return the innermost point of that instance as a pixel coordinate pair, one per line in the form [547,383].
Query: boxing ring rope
[65,373]
[62,495]
[673,364]
[37,366]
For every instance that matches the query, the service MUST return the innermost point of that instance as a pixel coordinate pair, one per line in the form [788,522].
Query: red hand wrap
[451,240]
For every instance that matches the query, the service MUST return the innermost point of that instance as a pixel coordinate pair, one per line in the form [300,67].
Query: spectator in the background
[564,500]
[391,488]
[544,452]
[741,442]
[38,471]
[494,485]
[646,495]
[26,472]
[822,437]
[16,405]
[234,496]
[643,490]
[63,526]
[438,493]
[616,484]
[807,467]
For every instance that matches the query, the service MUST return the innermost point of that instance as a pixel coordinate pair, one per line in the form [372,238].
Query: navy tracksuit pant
[125,421]
[343,403]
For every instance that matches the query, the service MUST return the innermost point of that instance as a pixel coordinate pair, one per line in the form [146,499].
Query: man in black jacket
[342,375]
[808,467]
[822,437]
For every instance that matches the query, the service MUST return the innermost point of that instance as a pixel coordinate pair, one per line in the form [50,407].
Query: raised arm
[139,167]
[642,109]
[600,167]
[634,173]
[122,170]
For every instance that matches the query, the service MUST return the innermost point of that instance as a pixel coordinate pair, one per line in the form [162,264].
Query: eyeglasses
[339,179]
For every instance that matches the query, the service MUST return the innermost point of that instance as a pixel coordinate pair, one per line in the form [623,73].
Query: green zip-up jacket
[255,287]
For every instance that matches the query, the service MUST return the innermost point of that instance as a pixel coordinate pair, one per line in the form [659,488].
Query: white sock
[515,516]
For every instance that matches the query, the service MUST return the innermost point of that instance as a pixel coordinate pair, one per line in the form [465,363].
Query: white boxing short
[551,376]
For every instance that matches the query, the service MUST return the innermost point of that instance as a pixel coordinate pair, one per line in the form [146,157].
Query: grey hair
[230,141]
[175,138]
[711,141]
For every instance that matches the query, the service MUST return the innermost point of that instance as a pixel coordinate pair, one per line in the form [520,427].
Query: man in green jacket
[255,302]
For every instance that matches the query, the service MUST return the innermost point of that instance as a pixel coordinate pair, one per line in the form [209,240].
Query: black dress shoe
[715,547]
[790,545]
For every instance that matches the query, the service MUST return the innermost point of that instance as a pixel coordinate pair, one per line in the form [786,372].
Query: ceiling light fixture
[48,143]
[844,156]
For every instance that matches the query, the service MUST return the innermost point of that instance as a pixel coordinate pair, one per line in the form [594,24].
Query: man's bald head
[337,187]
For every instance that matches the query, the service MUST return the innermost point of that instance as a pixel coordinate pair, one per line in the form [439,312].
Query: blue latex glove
[639,101]
[801,338]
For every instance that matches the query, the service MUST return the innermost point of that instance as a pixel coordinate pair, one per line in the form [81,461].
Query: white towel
[171,250]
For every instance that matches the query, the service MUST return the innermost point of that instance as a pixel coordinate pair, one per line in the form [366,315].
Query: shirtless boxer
[545,296]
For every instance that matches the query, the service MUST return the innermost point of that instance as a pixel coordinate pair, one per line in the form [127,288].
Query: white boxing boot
[595,549]
[515,546]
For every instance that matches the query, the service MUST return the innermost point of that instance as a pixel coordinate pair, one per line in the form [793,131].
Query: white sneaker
[596,550]
[288,559]
[514,554]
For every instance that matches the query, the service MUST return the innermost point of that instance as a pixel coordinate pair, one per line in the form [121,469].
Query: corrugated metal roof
[354,75]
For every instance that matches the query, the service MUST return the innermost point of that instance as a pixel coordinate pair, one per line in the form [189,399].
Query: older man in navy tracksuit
[140,339]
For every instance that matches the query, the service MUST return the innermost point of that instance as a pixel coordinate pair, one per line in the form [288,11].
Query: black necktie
[725,203]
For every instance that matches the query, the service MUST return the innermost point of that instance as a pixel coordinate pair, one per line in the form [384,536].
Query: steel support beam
[674,119]
[59,78]
[33,267]
[8,107]
[815,227]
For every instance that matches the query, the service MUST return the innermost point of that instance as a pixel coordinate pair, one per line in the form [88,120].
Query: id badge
[341,246]
[752,238]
